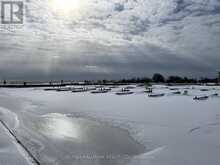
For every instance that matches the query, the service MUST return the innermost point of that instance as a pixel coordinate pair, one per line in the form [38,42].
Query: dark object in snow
[124,92]
[102,90]
[63,89]
[50,89]
[176,93]
[185,92]
[200,98]
[156,95]
[174,89]
[213,95]
[77,90]
[204,90]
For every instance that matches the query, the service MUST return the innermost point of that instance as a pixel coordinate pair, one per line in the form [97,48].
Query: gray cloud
[112,39]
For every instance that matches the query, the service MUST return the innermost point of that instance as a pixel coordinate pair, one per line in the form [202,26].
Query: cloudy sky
[90,39]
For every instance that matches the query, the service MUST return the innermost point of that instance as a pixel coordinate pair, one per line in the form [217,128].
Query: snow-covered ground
[79,128]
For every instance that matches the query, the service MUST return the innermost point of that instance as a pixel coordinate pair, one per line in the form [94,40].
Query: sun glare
[61,127]
[66,6]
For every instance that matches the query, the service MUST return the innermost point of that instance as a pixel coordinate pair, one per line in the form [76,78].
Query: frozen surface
[10,151]
[64,127]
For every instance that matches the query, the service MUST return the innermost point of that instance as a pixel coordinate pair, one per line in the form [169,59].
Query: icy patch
[59,126]
[67,139]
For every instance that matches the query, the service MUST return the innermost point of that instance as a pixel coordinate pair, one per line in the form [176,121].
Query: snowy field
[65,128]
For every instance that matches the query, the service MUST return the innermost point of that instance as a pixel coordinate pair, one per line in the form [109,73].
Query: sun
[65,6]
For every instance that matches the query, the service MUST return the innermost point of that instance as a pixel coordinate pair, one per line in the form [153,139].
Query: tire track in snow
[194,129]
[204,126]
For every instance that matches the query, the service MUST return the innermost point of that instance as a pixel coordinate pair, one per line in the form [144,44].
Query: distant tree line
[159,78]
[156,78]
